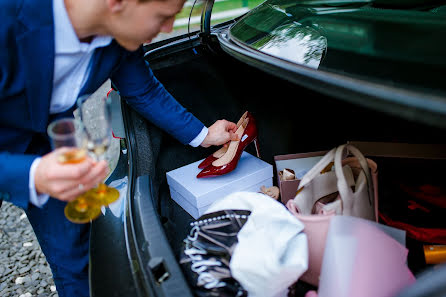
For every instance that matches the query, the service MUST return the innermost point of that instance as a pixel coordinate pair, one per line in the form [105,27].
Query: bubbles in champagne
[99,148]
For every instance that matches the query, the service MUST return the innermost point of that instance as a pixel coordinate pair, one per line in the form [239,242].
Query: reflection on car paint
[397,47]
[117,207]
[295,43]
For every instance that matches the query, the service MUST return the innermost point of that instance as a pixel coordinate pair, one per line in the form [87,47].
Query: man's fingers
[72,171]
[60,189]
[95,176]
[233,136]
[73,193]
[76,187]
[232,127]
[219,133]
[67,170]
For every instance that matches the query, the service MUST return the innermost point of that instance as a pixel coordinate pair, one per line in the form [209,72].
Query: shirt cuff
[199,139]
[34,198]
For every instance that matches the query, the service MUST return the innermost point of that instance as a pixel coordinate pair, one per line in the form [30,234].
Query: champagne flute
[97,125]
[68,132]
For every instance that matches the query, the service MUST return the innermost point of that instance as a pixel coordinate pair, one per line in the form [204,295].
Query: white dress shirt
[71,62]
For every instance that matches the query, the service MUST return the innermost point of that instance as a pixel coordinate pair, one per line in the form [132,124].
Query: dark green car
[315,74]
[392,52]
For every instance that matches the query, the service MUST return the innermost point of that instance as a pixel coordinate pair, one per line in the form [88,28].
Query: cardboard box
[401,150]
[300,164]
[195,195]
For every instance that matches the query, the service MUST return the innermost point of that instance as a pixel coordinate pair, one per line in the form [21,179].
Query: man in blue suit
[52,52]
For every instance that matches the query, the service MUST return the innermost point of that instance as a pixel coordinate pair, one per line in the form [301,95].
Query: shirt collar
[65,38]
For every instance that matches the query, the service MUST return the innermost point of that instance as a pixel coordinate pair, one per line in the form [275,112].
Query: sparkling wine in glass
[73,156]
[68,133]
[96,118]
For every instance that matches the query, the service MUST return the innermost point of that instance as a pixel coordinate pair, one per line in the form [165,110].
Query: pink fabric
[316,228]
[373,263]
[316,225]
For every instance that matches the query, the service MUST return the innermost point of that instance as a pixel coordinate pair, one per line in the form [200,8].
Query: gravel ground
[24,271]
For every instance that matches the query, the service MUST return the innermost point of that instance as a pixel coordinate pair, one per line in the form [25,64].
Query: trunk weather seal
[142,222]
[129,229]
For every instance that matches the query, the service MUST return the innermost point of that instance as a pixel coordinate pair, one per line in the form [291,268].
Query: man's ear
[116,5]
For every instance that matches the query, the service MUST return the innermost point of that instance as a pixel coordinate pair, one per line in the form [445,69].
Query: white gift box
[195,195]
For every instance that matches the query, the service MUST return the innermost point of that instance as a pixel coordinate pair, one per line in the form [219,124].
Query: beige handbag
[350,189]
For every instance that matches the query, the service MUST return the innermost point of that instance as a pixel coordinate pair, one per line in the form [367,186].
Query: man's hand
[221,132]
[67,181]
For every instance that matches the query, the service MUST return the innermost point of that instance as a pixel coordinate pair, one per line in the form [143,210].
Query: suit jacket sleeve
[14,184]
[14,166]
[142,90]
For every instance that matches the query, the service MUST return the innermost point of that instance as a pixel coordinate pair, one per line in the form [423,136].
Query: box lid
[203,191]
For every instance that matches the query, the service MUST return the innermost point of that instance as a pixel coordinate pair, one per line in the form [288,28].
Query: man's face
[140,22]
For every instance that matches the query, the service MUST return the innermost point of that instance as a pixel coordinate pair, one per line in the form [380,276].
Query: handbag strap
[316,169]
[343,187]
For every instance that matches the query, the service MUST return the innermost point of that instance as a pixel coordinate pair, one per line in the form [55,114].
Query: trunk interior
[291,119]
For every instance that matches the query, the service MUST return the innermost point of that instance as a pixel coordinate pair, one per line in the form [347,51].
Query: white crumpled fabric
[272,250]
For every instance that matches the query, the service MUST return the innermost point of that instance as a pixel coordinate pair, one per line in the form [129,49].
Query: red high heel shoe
[211,158]
[218,154]
[247,133]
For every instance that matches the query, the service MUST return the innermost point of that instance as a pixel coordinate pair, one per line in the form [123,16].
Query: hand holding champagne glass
[67,134]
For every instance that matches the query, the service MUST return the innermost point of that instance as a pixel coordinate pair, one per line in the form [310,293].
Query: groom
[54,51]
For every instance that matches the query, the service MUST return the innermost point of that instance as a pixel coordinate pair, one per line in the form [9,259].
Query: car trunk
[291,119]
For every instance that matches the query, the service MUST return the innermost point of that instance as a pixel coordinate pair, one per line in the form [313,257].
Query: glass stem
[102,188]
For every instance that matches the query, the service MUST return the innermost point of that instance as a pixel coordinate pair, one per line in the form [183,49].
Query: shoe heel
[256,143]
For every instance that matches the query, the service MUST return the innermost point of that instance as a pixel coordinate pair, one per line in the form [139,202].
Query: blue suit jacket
[26,78]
